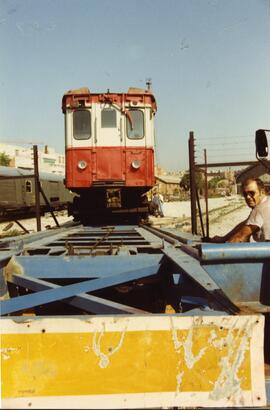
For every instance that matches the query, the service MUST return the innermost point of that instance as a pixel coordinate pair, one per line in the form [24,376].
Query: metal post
[37,187]
[192,183]
[206,195]
[200,213]
[48,205]
[21,226]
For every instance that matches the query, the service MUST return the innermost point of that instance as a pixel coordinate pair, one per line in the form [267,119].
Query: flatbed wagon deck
[133,317]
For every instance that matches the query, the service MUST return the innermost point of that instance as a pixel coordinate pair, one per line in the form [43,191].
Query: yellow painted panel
[132,362]
[186,360]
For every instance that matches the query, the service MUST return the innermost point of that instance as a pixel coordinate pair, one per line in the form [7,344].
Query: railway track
[125,278]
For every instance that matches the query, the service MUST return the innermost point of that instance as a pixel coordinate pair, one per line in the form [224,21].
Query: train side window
[135,124]
[108,118]
[28,186]
[82,125]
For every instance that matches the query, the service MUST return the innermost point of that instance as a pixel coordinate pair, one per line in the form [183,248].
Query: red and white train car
[109,150]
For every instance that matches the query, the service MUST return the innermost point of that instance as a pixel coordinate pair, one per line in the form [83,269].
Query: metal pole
[200,213]
[37,187]
[192,183]
[21,226]
[49,206]
[206,195]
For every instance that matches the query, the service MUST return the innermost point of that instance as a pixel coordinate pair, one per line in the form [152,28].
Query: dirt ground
[224,214]
[30,224]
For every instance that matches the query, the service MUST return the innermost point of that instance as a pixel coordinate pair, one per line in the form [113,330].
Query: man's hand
[217,239]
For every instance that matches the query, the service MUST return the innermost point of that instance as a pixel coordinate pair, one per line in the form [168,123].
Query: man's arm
[243,234]
[225,238]
[240,233]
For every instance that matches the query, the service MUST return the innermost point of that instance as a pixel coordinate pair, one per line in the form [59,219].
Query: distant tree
[185,181]
[213,183]
[4,159]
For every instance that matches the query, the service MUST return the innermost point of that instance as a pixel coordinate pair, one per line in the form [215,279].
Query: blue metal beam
[192,268]
[235,251]
[183,237]
[113,236]
[36,237]
[242,281]
[88,303]
[3,286]
[5,258]
[70,229]
[89,241]
[52,295]
[55,267]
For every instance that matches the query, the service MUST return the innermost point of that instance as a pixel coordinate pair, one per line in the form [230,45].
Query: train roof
[16,172]
[74,98]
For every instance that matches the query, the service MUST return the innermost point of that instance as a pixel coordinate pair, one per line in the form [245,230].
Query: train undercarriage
[110,204]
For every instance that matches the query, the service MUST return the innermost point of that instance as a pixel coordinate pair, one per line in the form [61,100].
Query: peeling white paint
[217,342]
[12,267]
[96,345]
[228,384]
[190,358]
[5,352]
[179,378]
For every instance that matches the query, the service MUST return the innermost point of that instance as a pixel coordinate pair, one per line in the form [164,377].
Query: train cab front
[109,150]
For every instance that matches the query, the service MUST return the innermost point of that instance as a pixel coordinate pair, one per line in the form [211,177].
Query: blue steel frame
[67,291]
[232,276]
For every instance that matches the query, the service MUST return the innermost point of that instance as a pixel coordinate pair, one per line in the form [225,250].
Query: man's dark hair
[258,181]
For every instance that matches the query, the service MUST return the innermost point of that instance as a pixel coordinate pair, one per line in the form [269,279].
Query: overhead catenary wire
[225,137]
[219,149]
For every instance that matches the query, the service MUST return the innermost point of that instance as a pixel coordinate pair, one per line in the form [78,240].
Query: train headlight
[82,164]
[136,163]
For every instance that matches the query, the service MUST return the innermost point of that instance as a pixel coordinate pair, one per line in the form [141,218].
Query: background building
[22,157]
[168,186]
[254,171]
[168,183]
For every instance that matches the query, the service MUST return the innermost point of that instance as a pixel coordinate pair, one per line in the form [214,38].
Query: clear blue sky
[209,61]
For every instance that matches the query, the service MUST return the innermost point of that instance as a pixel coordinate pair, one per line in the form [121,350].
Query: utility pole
[192,183]
[37,187]
[206,195]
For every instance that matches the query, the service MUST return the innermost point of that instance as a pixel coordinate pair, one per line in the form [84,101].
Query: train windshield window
[81,125]
[135,128]
[108,118]
[28,186]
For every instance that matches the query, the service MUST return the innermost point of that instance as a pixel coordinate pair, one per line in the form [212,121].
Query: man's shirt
[260,216]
